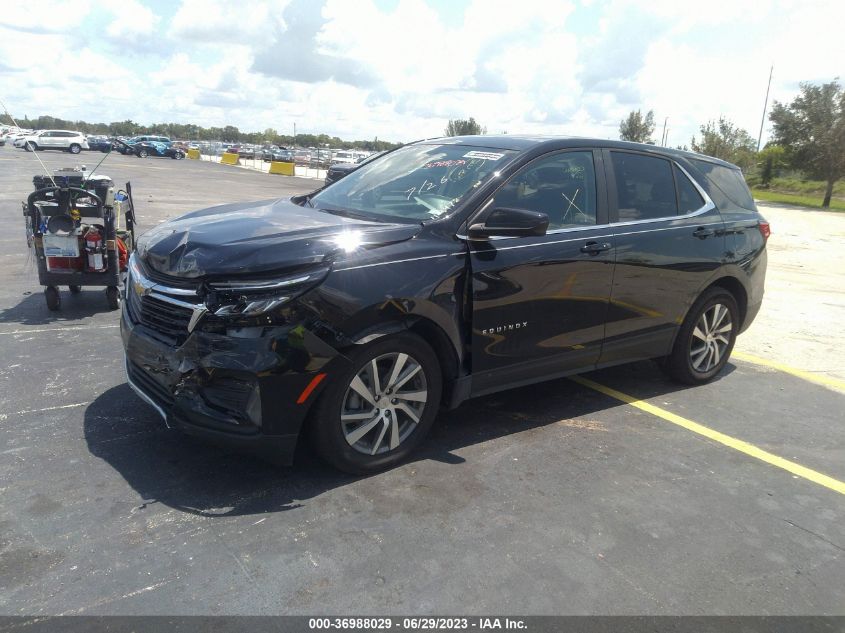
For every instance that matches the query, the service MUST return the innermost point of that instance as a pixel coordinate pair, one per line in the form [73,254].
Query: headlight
[246,298]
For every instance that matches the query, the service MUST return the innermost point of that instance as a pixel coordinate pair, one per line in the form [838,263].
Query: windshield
[413,183]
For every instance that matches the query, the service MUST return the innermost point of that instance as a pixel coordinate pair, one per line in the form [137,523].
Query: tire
[30,147]
[178,156]
[113,297]
[702,349]
[337,443]
[74,148]
[75,289]
[142,153]
[53,298]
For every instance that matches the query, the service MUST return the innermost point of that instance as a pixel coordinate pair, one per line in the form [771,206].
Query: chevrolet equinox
[444,270]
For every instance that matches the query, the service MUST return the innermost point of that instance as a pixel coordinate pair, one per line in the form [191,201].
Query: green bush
[797,186]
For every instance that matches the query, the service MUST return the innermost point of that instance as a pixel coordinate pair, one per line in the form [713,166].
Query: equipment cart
[73,225]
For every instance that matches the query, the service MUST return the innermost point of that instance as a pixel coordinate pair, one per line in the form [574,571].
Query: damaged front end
[229,360]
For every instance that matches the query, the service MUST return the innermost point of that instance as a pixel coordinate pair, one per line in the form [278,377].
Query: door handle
[594,248]
[703,233]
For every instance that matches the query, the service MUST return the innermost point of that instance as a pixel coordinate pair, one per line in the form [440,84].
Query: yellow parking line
[716,436]
[817,378]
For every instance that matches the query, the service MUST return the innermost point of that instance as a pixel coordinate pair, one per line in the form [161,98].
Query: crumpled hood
[256,237]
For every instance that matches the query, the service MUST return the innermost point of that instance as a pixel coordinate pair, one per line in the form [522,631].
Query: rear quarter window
[728,188]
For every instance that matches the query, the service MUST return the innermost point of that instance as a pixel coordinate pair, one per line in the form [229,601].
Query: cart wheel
[75,289]
[54,300]
[112,296]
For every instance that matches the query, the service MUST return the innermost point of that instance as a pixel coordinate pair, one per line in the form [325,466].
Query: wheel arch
[430,332]
[737,290]
[729,283]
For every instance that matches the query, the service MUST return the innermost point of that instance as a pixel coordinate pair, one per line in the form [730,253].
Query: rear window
[645,187]
[689,199]
[729,188]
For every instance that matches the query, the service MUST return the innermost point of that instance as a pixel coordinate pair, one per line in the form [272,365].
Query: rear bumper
[245,393]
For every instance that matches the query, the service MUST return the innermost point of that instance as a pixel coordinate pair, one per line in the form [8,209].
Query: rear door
[669,238]
[539,304]
[47,140]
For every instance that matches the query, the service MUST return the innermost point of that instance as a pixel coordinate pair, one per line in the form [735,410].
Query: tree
[637,128]
[722,139]
[812,129]
[464,127]
[770,160]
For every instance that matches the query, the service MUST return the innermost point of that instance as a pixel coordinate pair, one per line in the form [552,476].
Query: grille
[146,383]
[228,394]
[160,312]
[166,322]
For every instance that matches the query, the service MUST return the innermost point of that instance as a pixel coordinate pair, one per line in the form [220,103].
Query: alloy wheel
[384,403]
[710,338]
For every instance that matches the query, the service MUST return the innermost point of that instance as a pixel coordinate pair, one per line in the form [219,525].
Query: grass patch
[798,200]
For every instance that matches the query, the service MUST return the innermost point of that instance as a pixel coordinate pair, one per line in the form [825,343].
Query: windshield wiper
[346,213]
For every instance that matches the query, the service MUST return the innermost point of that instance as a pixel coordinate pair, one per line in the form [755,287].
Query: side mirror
[507,222]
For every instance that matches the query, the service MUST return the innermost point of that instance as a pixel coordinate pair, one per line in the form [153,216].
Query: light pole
[765,105]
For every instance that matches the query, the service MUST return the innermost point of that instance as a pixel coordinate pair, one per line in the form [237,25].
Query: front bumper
[243,392]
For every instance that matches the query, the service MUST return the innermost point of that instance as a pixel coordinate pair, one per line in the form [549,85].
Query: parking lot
[619,493]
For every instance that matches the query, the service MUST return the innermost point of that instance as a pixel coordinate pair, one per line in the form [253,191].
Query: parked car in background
[157,149]
[99,143]
[278,154]
[345,157]
[302,157]
[247,152]
[150,138]
[65,140]
[445,270]
[336,171]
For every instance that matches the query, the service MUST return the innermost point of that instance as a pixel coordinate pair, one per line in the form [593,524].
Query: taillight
[765,230]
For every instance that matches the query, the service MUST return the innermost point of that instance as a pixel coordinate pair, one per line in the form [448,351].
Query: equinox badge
[505,328]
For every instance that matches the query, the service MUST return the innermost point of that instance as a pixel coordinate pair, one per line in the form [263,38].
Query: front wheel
[142,153]
[706,338]
[30,147]
[372,415]
[113,297]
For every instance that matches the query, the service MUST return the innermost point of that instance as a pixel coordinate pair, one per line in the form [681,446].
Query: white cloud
[132,21]
[222,23]
[44,16]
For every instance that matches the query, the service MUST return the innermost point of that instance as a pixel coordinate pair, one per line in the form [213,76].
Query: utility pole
[663,138]
[294,135]
[765,105]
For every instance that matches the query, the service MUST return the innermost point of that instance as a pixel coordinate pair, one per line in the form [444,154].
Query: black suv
[444,270]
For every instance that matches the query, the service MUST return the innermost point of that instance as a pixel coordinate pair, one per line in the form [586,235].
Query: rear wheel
[371,416]
[706,338]
[74,148]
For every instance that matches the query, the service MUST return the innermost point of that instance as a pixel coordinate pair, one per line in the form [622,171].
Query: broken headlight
[247,299]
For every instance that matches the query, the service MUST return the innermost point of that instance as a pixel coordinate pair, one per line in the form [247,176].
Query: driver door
[539,304]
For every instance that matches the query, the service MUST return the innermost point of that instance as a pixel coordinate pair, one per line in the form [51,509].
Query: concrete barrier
[194,154]
[228,158]
[285,169]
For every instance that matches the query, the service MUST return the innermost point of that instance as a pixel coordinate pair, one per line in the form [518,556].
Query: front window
[414,183]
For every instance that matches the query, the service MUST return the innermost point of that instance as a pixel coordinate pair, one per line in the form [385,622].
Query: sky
[400,69]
